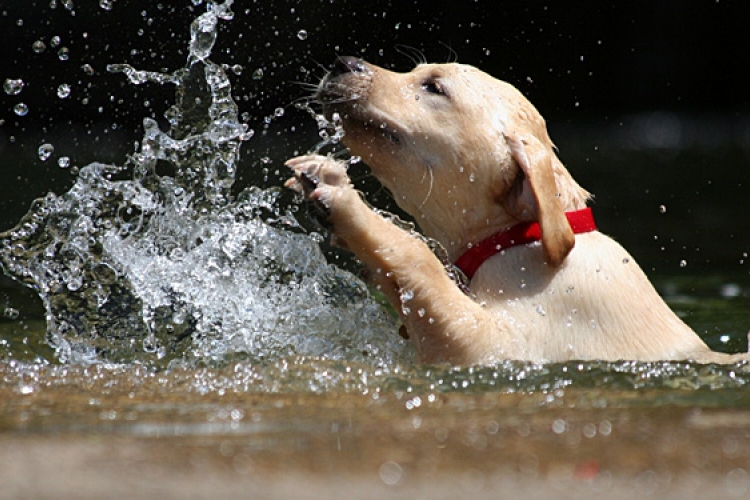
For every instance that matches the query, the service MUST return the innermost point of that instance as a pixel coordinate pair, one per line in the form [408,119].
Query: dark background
[647,101]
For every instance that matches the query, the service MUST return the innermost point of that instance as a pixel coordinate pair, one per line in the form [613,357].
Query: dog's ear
[537,197]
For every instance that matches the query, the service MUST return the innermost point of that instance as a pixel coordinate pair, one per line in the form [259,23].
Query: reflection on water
[304,428]
[418,384]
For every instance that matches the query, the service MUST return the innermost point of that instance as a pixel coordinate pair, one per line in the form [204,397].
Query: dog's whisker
[321,66]
[452,54]
[340,100]
[432,184]
[414,55]
[312,87]
[303,102]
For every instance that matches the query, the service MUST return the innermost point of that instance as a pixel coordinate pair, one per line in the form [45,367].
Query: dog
[470,158]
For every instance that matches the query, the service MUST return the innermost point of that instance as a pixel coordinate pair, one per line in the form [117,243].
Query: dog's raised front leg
[443,323]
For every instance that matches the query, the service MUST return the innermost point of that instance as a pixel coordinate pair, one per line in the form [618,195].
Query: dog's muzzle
[339,85]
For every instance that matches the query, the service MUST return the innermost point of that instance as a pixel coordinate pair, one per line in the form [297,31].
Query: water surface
[169,334]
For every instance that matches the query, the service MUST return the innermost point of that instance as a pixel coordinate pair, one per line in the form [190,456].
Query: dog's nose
[348,64]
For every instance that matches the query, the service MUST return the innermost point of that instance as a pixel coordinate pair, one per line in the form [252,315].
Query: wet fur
[467,155]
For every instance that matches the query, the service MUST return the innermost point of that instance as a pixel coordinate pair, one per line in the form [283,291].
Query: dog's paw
[320,180]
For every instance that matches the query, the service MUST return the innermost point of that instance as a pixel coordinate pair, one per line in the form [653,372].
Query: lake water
[185,340]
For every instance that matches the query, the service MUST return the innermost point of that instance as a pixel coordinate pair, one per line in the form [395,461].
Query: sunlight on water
[140,270]
[134,266]
[608,382]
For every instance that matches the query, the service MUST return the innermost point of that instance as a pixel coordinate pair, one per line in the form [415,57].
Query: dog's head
[462,152]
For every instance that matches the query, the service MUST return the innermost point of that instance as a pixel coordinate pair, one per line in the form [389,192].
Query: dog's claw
[319,213]
[307,183]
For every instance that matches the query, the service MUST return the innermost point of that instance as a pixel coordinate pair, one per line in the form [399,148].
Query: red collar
[581,221]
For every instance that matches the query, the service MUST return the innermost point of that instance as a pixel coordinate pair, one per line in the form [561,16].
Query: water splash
[597,384]
[137,267]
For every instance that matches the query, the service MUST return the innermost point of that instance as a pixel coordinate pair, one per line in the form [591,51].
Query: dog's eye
[433,87]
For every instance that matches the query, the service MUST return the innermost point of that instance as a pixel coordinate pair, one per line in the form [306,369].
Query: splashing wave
[137,267]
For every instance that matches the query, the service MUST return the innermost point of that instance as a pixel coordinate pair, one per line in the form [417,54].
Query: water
[198,340]
[134,266]
[137,267]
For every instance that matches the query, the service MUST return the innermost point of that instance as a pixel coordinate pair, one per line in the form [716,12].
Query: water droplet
[662,209]
[278,112]
[737,482]
[730,290]
[405,296]
[683,263]
[55,41]
[63,162]
[302,34]
[45,151]
[179,317]
[237,69]
[11,313]
[75,283]
[21,109]
[589,430]
[63,91]
[106,4]
[13,87]
[38,46]
[63,54]
[258,74]
[559,426]
[87,69]
[391,473]
[18,250]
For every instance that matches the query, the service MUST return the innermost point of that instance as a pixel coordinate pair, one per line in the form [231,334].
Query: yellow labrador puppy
[470,158]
